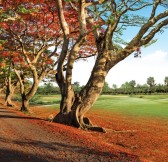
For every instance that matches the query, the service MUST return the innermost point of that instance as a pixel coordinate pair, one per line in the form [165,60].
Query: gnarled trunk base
[9,104]
[70,119]
[65,118]
[8,101]
[25,106]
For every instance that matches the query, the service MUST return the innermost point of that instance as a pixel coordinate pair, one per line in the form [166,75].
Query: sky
[153,63]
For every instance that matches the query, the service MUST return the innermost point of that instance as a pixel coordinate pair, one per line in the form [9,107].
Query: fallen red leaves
[143,137]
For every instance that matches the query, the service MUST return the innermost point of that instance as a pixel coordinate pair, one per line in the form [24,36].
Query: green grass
[147,105]
[46,100]
[136,105]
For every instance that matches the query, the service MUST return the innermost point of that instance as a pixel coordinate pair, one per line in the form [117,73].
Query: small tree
[151,83]
[114,88]
[132,84]
[126,88]
[106,88]
[166,83]
[76,86]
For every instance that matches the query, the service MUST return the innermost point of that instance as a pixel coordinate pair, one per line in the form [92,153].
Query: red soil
[145,138]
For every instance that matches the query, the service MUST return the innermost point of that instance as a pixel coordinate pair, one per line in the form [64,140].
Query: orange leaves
[15,54]
[3,64]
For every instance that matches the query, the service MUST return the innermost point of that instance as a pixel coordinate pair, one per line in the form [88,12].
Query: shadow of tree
[13,115]
[54,146]
[18,117]
[81,152]
[9,155]
[6,112]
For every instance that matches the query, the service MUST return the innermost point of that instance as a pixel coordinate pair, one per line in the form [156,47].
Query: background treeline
[130,87]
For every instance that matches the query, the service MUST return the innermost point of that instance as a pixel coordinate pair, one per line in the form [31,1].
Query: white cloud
[139,69]
[82,70]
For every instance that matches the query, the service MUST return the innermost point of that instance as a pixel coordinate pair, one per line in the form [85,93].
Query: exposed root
[121,131]
[50,118]
[87,121]
[10,105]
[97,129]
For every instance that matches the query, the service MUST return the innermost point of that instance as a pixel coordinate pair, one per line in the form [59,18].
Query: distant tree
[106,88]
[151,83]
[166,83]
[76,86]
[166,80]
[126,88]
[48,89]
[114,88]
[160,88]
[132,84]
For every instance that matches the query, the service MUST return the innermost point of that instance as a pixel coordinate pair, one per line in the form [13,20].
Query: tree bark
[27,96]
[25,103]
[10,88]
[9,93]
[83,101]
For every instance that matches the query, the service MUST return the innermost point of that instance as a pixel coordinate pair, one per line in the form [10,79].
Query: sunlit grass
[136,105]
[153,105]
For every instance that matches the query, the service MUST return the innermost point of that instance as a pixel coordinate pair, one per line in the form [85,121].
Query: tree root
[87,125]
[97,129]
[87,121]
[10,104]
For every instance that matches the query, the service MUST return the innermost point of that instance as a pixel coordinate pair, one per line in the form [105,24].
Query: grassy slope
[147,105]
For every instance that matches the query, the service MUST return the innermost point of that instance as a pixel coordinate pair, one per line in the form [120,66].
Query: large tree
[30,30]
[105,20]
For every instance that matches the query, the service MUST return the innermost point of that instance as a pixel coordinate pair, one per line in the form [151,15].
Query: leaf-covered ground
[128,138]
[145,137]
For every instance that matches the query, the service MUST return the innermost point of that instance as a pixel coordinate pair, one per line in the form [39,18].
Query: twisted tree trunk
[10,88]
[25,103]
[74,107]
[8,96]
